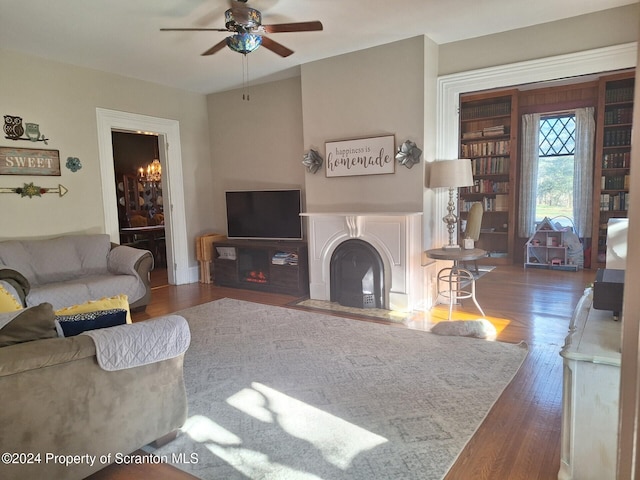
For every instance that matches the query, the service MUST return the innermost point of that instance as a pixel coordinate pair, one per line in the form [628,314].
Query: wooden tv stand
[262,265]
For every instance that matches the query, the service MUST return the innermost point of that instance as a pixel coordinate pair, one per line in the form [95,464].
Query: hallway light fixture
[153,172]
[451,174]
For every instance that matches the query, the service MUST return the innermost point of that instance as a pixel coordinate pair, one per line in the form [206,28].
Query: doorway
[140,196]
[168,132]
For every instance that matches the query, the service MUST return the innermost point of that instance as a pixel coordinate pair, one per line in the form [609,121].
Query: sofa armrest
[123,259]
[17,281]
[127,346]
[26,356]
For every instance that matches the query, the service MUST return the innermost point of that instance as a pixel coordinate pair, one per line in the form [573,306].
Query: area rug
[280,393]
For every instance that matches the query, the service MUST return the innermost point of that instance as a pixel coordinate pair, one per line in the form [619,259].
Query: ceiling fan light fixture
[244,42]
[245,17]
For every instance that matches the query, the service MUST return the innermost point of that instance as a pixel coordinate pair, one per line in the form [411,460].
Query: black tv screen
[264,214]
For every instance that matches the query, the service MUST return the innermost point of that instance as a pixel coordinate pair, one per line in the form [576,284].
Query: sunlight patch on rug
[338,441]
[286,394]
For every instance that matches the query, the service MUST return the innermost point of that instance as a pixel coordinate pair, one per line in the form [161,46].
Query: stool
[456,277]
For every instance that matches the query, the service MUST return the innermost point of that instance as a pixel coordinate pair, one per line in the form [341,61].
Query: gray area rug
[278,393]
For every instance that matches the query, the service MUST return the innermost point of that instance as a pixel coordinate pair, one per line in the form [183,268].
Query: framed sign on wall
[29,161]
[363,156]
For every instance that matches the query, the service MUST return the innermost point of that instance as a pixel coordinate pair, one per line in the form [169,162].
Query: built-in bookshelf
[613,158]
[488,136]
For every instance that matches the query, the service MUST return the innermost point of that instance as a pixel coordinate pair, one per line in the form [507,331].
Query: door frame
[168,132]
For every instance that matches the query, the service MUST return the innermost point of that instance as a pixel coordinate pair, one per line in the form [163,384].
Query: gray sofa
[73,269]
[61,397]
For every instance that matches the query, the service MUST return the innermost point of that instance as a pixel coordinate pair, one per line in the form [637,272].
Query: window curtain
[583,172]
[529,174]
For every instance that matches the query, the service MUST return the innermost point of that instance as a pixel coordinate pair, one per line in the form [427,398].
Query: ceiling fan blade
[294,27]
[194,30]
[216,48]
[276,47]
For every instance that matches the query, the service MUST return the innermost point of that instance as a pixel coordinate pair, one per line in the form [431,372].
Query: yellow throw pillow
[8,303]
[118,301]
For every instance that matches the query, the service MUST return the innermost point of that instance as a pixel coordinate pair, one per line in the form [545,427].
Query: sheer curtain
[529,174]
[583,171]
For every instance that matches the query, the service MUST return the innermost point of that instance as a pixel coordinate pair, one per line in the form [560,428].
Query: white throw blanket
[128,346]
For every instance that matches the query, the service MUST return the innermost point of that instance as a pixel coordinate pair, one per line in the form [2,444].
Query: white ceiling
[123,36]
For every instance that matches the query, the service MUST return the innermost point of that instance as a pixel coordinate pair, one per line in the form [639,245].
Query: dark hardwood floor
[520,438]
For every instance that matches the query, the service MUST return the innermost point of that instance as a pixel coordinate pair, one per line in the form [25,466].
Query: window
[557,144]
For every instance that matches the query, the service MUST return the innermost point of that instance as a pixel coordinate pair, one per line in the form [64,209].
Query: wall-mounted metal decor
[14,130]
[29,161]
[364,156]
[73,164]
[312,160]
[30,190]
[408,154]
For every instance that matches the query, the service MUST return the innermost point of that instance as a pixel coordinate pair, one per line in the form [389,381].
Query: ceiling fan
[246,25]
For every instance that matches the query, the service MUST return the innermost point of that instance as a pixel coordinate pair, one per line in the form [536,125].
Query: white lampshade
[450,173]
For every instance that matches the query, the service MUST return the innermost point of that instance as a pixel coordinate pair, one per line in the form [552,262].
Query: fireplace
[389,243]
[357,275]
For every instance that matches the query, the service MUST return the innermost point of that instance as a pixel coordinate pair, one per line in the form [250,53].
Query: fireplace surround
[396,238]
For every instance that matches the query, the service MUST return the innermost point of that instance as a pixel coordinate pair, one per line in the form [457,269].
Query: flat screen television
[264,214]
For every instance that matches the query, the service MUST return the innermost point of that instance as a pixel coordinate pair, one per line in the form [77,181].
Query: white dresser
[590,394]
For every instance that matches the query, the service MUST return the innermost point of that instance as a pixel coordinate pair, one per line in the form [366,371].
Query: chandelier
[152,174]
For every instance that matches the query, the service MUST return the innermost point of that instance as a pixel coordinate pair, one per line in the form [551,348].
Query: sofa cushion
[80,290]
[57,259]
[59,295]
[9,300]
[71,325]
[34,323]
[117,301]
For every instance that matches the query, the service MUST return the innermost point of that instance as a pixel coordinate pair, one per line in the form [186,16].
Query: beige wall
[63,99]
[255,144]
[601,29]
[228,143]
[378,91]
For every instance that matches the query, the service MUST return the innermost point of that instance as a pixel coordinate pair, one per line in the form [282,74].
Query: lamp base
[451,247]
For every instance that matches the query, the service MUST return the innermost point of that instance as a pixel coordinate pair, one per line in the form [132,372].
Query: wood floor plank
[520,438]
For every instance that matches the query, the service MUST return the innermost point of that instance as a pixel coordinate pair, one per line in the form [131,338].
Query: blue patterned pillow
[70,325]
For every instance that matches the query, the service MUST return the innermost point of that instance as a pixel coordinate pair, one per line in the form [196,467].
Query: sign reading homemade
[365,156]
[29,161]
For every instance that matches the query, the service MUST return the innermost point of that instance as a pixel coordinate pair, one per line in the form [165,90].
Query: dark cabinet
[270,266]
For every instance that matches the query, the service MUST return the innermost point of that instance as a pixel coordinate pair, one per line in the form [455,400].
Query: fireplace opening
[357,275]
[253,266]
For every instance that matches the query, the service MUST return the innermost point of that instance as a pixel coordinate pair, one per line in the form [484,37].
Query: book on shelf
[614,95]
[616,160]
[494,131]
[619,137]
[610,202]
[471,135]
[285,258]
[470,112]
[490,166]
[483,149]
[617,182]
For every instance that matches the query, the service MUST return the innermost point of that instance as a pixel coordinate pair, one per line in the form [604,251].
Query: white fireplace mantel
[396,236]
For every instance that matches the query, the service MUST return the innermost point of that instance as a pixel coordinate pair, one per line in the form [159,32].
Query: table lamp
[451,174]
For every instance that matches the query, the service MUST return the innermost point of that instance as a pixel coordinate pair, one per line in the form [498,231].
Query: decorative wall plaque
[29,161]
[364,156]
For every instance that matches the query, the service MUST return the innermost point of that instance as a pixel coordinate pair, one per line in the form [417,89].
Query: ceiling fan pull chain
[245,77]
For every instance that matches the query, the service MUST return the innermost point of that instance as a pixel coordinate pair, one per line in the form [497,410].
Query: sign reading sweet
[29,161]
[364,156]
